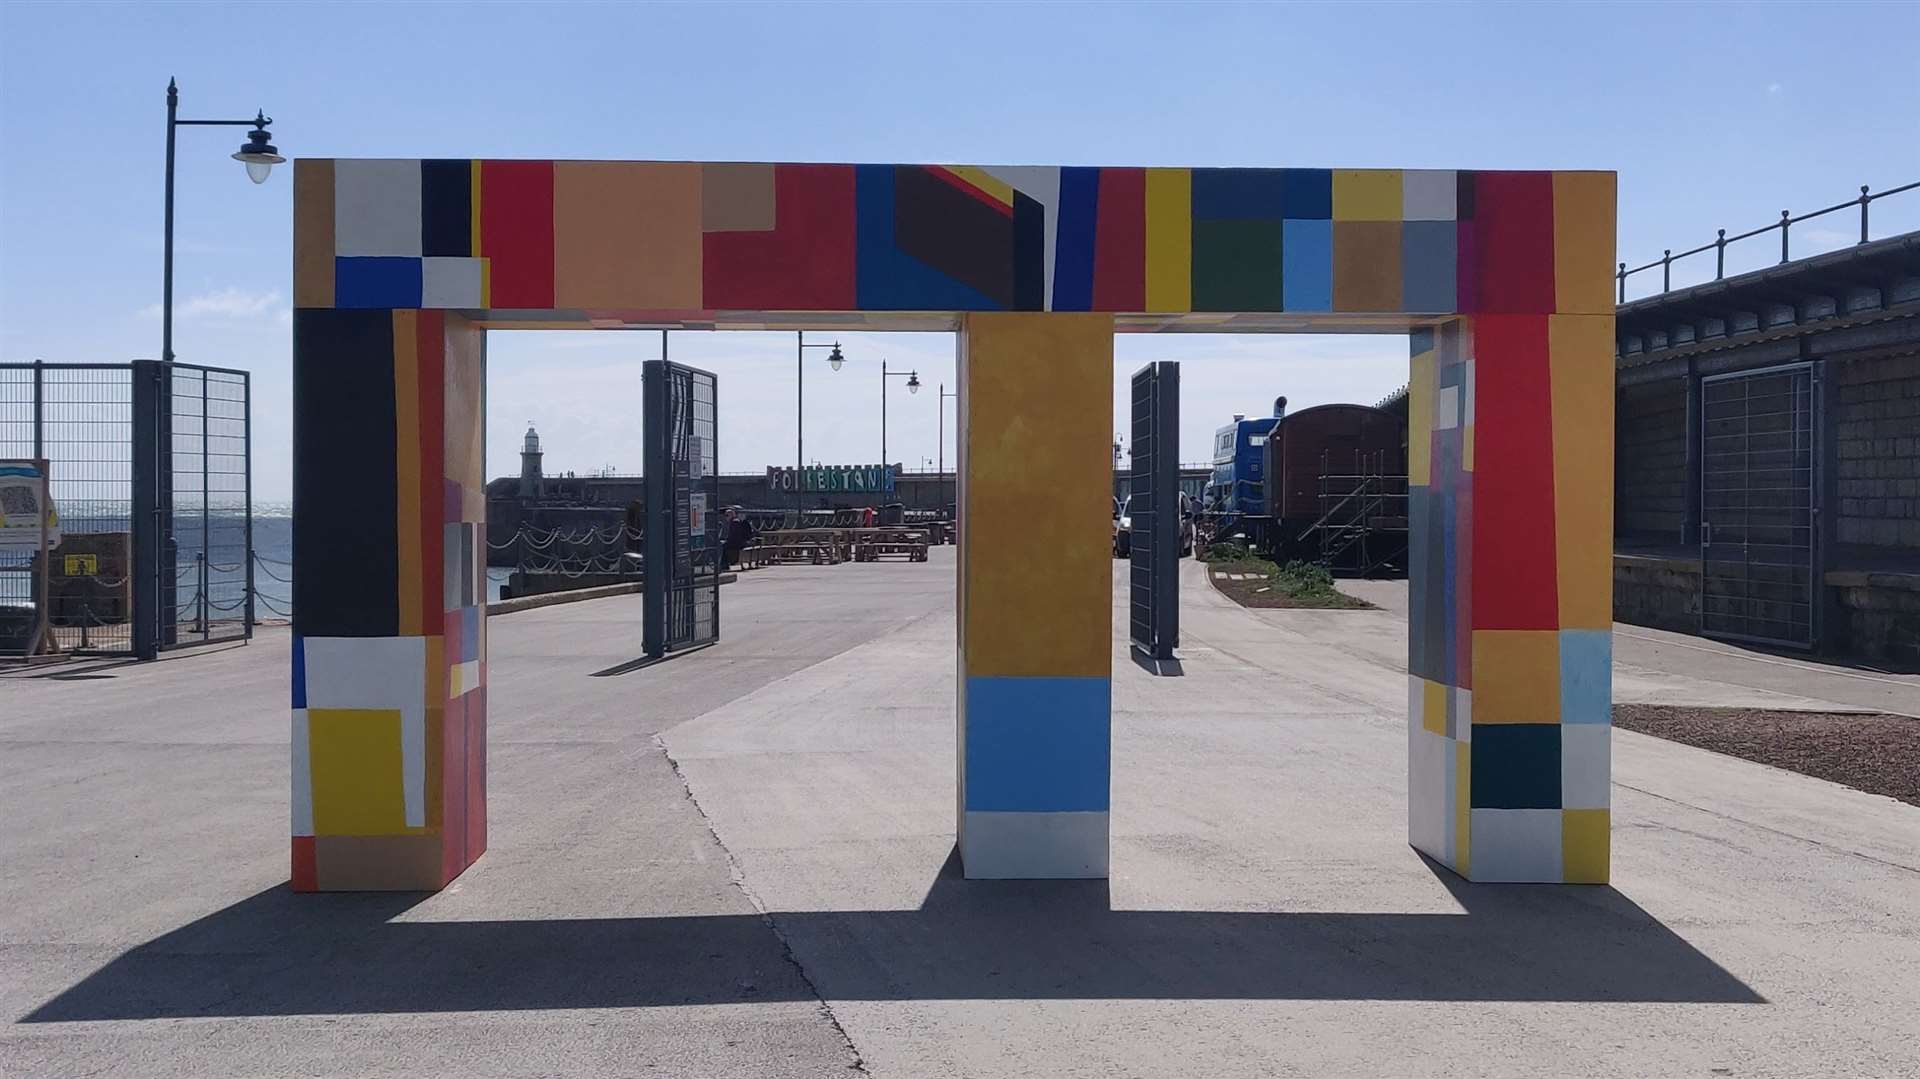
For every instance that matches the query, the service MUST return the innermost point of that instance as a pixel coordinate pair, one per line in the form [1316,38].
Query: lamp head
[259,154]
[913,382]
[834,358]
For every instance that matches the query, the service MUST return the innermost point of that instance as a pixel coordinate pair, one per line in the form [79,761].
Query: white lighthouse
[531,483]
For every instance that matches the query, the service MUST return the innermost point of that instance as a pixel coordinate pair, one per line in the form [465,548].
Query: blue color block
[1306,268]
[889,279]
[1308,194]
[1038,745]
[299,671]
[1423,583]
[1236,194]
[1516,766]
[1428,261]
[376,282]
[1073,239]
[469,633]
[1586,676]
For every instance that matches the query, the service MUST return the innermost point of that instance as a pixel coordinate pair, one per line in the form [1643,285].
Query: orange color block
[627,235]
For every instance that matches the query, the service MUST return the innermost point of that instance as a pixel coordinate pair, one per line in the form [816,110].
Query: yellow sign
[82,565]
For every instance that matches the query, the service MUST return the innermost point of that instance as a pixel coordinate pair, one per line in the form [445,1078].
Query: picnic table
[817,546]
[873,544]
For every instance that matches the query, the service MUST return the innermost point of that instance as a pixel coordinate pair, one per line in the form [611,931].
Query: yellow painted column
[1035,593]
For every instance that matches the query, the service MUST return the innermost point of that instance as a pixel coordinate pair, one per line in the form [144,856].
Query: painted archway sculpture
[1502,280]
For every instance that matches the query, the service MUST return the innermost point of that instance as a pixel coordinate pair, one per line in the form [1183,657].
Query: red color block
[1512,271]
[431,348]
[306,873]
[477,771]
[806,262]
[453,789]
[1120,241]
[516,231]
[1513,575]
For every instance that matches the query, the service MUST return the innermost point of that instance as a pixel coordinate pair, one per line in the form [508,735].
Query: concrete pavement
[739,863]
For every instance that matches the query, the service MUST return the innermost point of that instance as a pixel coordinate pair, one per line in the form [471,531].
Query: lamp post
[834,359]
[913,386]
[942,437]
[258,154]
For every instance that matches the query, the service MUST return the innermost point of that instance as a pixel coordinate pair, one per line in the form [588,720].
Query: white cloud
[232,304]
[1774,89]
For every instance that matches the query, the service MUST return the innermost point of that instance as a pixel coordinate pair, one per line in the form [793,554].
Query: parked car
[1123,526]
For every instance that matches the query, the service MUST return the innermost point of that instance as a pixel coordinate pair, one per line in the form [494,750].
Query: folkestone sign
[829,479]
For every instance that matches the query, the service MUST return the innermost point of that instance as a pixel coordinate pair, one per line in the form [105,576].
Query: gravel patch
[1872,752]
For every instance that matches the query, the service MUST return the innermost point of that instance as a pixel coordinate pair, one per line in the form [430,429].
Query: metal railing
[1719,245]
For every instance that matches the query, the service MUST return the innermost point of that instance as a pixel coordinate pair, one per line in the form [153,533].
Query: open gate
[1153,618]
[1757,522]
[683,530]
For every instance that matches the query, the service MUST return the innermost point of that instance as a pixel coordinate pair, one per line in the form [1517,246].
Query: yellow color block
[1462,807]
[356,762]
[1516,676]
[1580,364]
[988,184]
[1169,240]
[313,232]
[406,471]
[1036,576]
[1585,845]
[1367,194]
[1583,248]
[1423,375]
[1433,706]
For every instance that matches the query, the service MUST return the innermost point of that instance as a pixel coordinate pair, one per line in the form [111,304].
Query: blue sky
[1714,115]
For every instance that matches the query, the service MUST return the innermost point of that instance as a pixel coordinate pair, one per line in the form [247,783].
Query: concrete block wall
[1876,410]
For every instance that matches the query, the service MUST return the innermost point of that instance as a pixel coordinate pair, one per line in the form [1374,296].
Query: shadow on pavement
[277,953]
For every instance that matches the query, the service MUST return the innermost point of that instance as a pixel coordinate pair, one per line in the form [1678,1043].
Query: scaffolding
[1362,526]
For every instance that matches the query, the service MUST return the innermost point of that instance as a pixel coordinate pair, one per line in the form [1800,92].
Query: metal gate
[207,508]
[683,531]
[1153,510]
[150,465]
[1757,519]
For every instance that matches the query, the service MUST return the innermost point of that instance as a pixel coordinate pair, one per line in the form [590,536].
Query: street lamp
[913,386]
[834,360]
[942,437]
[258,154]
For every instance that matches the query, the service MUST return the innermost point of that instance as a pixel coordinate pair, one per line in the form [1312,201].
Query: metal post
[1720,256]
[1865,201]
[206,530]
[940,482]
[1666,270]
[246,430]
[1786,220]
[145,524]
[883,413]
[1621,276]
[799,416]
[166,281]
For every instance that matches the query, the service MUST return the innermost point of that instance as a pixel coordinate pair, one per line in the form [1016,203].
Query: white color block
[1585,765]
[1429,195]
[1520,845]
[1462,714]
[302,775]
[366,672]
[1041,183]
[1033,846]
[463,678]
[1446,411]
[450,282]
[376,208]
[1429,759]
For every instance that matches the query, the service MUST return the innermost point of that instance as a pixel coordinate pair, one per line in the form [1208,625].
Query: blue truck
[1234,503]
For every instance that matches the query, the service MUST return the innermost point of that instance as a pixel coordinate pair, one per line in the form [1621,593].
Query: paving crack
[857,1063]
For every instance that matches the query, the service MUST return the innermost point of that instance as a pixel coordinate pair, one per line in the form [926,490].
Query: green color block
[1236,266]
